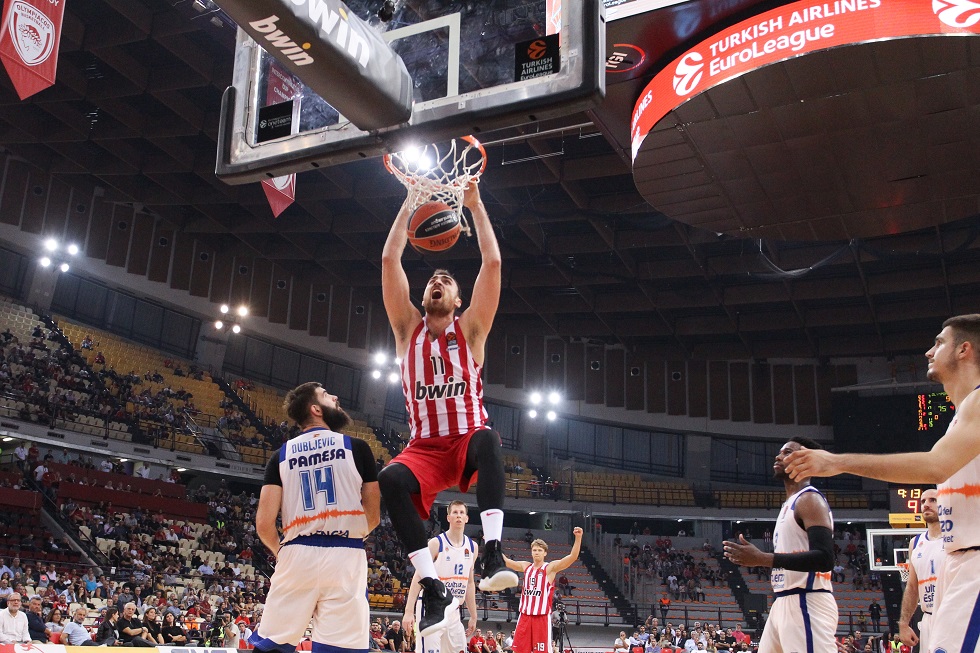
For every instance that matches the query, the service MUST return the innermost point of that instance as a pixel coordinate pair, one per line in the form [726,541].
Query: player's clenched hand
[577,531]
[744,553]
[810,463]
[909,638]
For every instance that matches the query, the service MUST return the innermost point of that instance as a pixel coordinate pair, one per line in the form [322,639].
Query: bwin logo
[277,39]
[688,73]
[957,13]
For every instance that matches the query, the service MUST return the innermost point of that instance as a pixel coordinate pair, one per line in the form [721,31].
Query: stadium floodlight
[51,244]
[398,362]
[236,329]
[218,324]
[45,261]
[181,469]
[532,413]
[376,374]
[64,267]
[552,416]
[380,358]
[223,309]
[535,398]
[243,311]
[393,377]
[554,398]
[73,249]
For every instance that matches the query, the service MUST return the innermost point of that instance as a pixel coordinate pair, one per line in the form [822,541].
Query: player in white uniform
[803,618]
[324,485]
[453,554]
[925,560]
[953,464]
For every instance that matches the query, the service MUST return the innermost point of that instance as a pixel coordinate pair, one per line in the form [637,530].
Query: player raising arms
[533,633]
[442,356]
[454,554]
[925,560]
[954,464]
[804,611]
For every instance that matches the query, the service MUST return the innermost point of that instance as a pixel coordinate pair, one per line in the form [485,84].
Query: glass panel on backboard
[889,547]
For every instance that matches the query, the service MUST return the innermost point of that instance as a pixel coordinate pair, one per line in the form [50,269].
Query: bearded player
[442,356]
[454,554]
[953,464]
[533,634]
[804,612]
[925,560]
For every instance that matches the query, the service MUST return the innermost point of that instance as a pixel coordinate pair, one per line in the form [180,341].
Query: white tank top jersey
[442,385]
[789,537]
[959,507]
[537,592]
[926,557]
[454,564]
[321,487]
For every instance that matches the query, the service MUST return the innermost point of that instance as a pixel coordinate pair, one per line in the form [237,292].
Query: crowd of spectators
[682,577]
[651,637]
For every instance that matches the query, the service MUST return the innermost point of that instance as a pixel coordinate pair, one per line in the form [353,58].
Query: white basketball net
[439,172]
[903,570]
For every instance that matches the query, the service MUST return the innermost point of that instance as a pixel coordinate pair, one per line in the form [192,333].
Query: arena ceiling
[135,111]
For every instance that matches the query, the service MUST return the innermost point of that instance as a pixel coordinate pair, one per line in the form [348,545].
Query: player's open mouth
[436,294]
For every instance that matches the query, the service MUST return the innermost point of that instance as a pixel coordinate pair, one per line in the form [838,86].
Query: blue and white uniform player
[453,554]
[325,486]
[926,556]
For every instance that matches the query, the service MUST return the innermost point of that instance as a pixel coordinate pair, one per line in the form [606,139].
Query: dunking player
[954,464]
[325,485]
[533,632]
[442,356]
[804,611]
[925,560]
[454,554]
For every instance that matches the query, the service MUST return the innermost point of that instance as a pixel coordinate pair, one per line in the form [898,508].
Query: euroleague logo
[536,50]
[689,71]
[957,13]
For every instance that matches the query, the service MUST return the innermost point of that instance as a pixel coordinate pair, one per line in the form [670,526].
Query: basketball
[433,227]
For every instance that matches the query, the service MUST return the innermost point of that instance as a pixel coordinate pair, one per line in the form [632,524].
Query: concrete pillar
[39,284]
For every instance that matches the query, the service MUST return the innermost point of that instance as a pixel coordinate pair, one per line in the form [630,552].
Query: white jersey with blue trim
[321,487]
[789,537]
[926,557]
[455,563]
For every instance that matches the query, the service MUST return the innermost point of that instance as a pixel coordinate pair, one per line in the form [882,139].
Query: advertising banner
[790,31]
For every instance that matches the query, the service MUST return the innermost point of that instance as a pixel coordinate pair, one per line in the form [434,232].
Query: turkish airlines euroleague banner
[790,31]
[29,40]
[282,87]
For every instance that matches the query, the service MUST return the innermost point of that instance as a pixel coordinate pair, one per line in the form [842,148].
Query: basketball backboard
[476,66]
[889,547]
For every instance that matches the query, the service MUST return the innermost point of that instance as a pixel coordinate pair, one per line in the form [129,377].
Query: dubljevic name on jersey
[321,450]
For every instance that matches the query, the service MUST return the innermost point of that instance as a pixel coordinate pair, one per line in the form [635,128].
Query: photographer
[230,631]
[559,619]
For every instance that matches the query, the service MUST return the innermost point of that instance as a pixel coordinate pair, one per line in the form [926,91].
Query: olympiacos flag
[280,192]
[282,87]
[29,40]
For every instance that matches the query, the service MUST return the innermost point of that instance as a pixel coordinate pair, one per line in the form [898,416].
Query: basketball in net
[436,177]
[434,227]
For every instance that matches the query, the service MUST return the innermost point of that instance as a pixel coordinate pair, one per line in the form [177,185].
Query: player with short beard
[925,560]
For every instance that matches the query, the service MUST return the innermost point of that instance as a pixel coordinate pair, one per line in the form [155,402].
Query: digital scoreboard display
[906,498]
[889,423]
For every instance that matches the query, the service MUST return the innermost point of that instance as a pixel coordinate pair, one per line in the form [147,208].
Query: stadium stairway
[242,406]
[627,611]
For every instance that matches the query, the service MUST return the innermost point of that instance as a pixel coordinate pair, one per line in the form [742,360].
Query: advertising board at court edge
[790,31]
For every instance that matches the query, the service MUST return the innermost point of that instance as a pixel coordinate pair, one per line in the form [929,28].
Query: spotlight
[535,398]
[218,324]
[532,413]
[51,244]
[679,520]
[738,521]
[122,460]
[8,439]
[554,398]
[425,163]
[73,249]
[236,329]
[181,469]
[412,154]
[380,358]
[552,416]
[63,267]
[45,261]
[532,512]
[393,377]
[376,374]
[223,309]
[243,310]
[398,362]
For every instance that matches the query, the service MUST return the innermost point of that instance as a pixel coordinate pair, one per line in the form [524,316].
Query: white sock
[422,561]
[493,523]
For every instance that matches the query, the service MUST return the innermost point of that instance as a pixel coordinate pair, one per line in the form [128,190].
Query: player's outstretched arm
[516,565]
[478,318]
[959,446]
[910,599]
[569,560]
[394,282]
[270,500]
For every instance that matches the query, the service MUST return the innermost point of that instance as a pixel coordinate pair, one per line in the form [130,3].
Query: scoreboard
[894,423]
[906,498]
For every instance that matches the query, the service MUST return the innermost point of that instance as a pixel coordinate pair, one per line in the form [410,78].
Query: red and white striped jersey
[442,385]
[537,592]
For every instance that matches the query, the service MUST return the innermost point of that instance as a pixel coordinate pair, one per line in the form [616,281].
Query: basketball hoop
[439,172]
[903,570]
